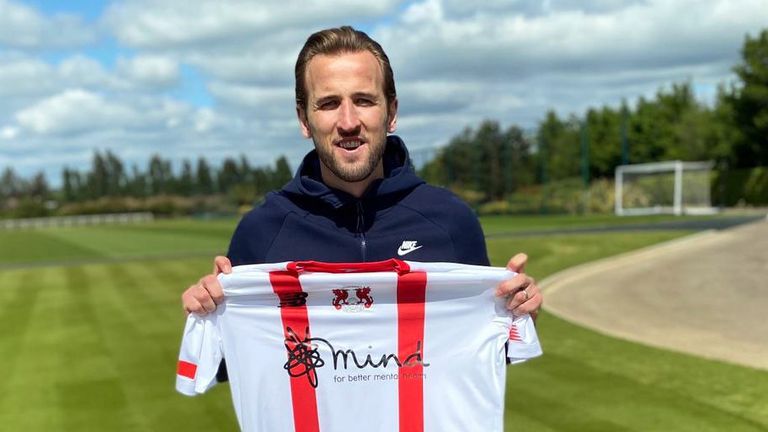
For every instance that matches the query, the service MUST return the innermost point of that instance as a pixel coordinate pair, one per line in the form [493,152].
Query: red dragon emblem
[364,296]
[341,299]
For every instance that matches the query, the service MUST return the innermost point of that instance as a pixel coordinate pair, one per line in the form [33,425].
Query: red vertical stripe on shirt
[294,315]
[411,293]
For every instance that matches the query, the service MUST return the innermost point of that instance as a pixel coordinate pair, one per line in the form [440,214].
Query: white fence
[79,220]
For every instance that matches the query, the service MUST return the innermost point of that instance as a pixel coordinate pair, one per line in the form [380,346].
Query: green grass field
[91,323]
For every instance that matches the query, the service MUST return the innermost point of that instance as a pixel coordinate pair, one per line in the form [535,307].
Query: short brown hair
[337,41]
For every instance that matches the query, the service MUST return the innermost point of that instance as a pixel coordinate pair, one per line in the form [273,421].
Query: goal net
[672,187]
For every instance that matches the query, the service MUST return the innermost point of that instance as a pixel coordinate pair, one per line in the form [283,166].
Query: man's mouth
[350,144]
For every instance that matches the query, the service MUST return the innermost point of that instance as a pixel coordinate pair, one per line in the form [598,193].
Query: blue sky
[90,10]
[214,78]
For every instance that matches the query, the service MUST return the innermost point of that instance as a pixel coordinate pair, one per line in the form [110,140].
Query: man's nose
[349,120]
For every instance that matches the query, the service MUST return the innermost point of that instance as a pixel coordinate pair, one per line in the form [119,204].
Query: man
[356,197]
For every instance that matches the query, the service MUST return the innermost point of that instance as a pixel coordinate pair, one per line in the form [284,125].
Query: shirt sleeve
[200,355]
[523,343]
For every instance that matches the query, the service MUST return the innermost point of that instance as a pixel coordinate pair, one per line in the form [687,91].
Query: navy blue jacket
[307,220]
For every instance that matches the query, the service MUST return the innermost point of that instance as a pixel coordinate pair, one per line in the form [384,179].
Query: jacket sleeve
[469,241]
[466,234]
[239,252]
[200,355]
[255,234]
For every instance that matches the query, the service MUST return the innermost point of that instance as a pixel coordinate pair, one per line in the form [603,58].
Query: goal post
[670,187]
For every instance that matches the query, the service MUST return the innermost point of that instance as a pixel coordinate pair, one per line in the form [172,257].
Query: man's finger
[221,264]
[212,289]
[193,306]
[530,306]
[518,299]
[190,303]
[511,286]
[517,263]
[203,296]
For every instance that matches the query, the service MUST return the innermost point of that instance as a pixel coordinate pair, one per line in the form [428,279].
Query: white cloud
[24,27]
[250,65]
[75,111]
[175,23]
[277,101]
[418,97]
[150,70]
[428,11]
[204,120]
[9,132]
[641,36]
[25,76]
[79,71]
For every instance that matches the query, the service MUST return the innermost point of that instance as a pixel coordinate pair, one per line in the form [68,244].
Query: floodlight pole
[585,162]
[624,140]
[542,149]
[585,153]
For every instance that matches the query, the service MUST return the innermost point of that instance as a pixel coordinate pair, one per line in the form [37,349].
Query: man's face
[346,116]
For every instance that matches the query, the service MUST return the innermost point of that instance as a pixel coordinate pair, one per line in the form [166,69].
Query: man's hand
[521,292]
[202,297]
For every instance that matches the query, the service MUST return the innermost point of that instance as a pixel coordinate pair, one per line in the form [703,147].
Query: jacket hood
[399,176]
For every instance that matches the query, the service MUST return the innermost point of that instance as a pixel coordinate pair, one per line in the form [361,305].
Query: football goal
[671,187]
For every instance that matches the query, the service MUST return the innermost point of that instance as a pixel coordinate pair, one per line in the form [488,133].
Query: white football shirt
[383,346]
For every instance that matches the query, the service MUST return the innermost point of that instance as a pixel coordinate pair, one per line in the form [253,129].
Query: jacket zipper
[361,229]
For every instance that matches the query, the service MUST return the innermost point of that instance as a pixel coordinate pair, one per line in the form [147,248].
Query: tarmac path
[705,294]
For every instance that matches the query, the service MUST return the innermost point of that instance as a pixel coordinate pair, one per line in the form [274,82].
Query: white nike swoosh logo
[402,251]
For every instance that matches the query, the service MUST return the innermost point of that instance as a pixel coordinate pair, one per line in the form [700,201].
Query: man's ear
[301,113]
[392,116]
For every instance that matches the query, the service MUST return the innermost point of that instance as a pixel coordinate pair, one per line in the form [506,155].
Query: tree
[160,175]
[518,168]
[116,179]
[98,178]
[11,185]
[244,170]
[488,162]
[38,187]
[645,132]
[229,175]
[559,144]
[186,182]
[723,132]
[749,100]
[137,184]
[68,185]
[204,184]
[604,138]
[282,174]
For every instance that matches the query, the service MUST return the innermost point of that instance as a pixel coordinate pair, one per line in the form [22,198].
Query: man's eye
[364,102]
[327,105]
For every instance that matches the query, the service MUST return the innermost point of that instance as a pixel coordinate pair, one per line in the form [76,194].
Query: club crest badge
[341,299]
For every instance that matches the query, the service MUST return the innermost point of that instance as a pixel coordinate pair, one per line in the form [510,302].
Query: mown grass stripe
[21,290]
[107,260]
[617,402]
[144,340]
[589,376]
[164,281]
[117,241]
[40,245]
[90,388]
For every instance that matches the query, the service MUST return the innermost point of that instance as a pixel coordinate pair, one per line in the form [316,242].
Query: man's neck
[356,189]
